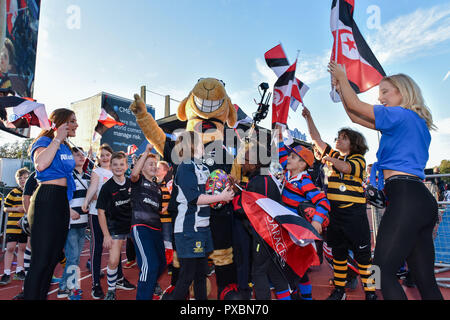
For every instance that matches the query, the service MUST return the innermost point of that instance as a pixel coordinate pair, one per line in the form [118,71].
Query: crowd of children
[115,206]
[120,206]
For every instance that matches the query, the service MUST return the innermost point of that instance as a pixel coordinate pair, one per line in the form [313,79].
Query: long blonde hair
[412,97]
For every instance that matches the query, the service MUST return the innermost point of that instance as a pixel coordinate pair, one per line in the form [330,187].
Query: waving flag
[282,91]
[242,117]
[351,50]
[131,149]
[23,112]
[108,119]
[277,60]
[289,236]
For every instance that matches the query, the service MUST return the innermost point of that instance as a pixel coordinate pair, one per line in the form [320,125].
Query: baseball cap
[303,153]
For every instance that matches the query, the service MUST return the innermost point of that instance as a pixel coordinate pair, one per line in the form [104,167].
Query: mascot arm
[152,132]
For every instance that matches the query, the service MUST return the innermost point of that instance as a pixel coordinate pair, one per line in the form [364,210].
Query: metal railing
[3,221]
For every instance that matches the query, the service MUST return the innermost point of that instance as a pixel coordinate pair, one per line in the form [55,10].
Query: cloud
[310,68]
[416,33]
[410,35]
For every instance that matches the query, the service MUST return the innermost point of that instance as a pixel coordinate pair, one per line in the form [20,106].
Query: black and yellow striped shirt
[346,189]
[165,192]
[12,200]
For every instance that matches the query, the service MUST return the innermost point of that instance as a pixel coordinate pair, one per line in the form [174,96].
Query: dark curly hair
[358,144]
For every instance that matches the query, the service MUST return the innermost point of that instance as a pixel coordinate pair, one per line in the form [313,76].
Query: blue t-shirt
[61,167]
[404,143]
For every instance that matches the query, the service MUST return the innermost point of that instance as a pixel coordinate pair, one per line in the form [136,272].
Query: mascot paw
[138,106]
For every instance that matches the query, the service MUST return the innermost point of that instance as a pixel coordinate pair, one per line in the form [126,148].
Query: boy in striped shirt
[77,228]
[14,234]
[349,227]
[298,188]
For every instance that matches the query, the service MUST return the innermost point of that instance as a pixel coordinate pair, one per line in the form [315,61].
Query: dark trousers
[264,268]
[48,237]
[406,233]
[151,259]
[191,269]
[242,248]
[349,230]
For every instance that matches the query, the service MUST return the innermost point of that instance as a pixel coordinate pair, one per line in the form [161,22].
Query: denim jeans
[74,246]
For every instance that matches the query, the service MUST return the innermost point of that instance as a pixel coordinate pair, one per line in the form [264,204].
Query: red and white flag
[108,119]
[105,122]
[277,60]
[282,91]
[351,50]
[131,149]
[290,236]
[23,112]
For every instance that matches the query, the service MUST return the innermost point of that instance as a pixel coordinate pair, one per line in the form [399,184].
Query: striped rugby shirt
[300,188]
[82,183]
[346,189]
[12,200]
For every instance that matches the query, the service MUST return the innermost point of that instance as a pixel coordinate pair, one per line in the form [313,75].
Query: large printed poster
[19,22]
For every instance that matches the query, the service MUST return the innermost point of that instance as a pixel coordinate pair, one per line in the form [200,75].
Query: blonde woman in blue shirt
[405,231]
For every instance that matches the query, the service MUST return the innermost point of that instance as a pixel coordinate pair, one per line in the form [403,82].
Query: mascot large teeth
[206,109]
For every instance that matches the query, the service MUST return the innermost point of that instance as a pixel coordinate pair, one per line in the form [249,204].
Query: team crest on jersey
[198,247]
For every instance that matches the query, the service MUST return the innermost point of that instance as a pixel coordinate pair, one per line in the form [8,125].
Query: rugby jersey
[190,180]
[146,199]
[300,188]
[165,216]
[82,183]
[346,189]
[12,200]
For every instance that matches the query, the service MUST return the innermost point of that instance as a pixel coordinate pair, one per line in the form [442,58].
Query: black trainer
[371,295]
[5,279]
[124,284]
[337,294]
[97,292]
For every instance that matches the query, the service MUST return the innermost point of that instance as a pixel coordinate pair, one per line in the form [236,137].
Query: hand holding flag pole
[84,154]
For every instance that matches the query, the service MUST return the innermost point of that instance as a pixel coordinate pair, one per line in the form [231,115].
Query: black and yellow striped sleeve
[357,165]
[14,198]
[330,152]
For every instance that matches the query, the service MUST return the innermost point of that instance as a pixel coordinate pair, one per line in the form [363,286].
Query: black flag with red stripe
[351,50]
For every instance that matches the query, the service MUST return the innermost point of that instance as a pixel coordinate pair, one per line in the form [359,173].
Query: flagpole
[81,151]
[337,46]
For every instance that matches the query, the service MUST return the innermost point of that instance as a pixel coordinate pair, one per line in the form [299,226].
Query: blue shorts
[193,244]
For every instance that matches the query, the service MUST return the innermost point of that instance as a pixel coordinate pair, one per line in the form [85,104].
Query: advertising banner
[19,22]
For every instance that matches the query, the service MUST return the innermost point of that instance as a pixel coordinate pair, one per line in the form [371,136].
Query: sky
[89,46]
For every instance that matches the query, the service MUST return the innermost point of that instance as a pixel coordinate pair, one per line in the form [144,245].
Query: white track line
[85,277]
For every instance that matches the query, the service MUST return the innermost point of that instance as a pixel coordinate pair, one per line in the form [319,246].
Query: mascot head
[207,109]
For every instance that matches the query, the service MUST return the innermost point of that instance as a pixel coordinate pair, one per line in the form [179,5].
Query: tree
[16,150]
[444,167]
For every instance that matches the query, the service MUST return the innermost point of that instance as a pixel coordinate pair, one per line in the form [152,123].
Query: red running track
[319,277]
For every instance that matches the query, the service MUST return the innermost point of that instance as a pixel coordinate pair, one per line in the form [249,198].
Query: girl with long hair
[49,206]
[405,231]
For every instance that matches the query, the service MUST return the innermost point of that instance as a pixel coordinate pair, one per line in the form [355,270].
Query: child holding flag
[299,188]
[349,227]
